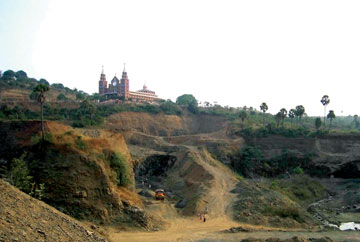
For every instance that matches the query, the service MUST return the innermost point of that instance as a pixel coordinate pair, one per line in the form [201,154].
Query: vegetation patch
[300,188]
[121,168]
[284,212]
[250,162]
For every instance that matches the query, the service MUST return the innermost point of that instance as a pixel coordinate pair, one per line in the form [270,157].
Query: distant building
[120,88]
[0,73]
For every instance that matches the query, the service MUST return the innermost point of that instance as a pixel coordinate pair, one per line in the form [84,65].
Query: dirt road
[219,202]
[192,229]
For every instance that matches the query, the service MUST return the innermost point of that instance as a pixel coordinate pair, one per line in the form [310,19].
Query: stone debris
[23,218]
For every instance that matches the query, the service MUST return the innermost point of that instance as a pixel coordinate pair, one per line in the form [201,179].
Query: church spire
[124,67]
[102,70]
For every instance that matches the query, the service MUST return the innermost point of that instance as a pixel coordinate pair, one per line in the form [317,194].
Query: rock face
[339,154]
[76,171]
[23,218]
[165,125]
[181,204]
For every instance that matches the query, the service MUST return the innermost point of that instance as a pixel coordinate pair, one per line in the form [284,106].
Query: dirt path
[192,229]
[219,201]
[181,229]
[219,198]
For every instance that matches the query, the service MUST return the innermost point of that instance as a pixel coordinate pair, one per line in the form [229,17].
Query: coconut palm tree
[243,115]
[299,111]
[331,116]
[283,113]
[325,101]
[264,108]
[292,114]
[39,94]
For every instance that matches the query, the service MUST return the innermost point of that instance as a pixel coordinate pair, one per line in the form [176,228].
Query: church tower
[102,83]
[124,85]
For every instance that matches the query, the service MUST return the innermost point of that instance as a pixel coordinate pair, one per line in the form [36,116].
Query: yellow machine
[159,194]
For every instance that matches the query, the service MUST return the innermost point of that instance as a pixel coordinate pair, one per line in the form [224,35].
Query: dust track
[219,201]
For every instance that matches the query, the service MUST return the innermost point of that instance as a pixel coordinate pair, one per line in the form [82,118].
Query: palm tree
[278,118]
[331,116]
[39,93]
[264,108]
[292,115]
[283,113]
[243,115]
[356,121]
[317,123]
[299,111]
[325,101]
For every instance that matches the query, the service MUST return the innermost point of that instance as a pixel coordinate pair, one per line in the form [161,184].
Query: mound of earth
[293,239]
[257,204]
[77,172]
[23,218]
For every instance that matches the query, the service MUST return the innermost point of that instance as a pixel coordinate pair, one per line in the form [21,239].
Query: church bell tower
[124,85]
[102,83]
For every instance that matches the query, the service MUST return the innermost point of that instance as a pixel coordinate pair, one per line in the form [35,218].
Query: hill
[23,218]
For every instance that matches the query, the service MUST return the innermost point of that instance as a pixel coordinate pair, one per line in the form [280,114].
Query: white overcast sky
[236,53]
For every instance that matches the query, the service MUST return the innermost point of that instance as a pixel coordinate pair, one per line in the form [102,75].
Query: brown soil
[164,125]
[23,218]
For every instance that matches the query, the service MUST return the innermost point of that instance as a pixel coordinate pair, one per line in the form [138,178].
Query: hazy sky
[237,53]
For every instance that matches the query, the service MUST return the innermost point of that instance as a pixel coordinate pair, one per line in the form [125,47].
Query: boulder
[146,193]
[181,204]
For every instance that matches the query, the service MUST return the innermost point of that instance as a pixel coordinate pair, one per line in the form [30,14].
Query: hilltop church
[120,88]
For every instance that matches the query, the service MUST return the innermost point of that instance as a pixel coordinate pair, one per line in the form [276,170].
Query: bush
[19,174]
[80,144]
[119,165]
[169,107]
[297,171]
[61,97]
[284,212]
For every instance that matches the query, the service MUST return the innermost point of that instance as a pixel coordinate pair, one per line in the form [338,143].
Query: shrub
[19,174]
[297,170]
[119,165]
[80,144]
[168,107]
[284,212]
[37,138]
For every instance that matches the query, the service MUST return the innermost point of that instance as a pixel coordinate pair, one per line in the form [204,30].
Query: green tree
[43,81]
[325,101]
[88,109]
[21,75]
[8,75]
[169,107]
[18,174]
[122,170]
[356,121]
[317,123]
[278,118]
[283,113]
[39,92]
[61,97]
[331,116]
[299,111]
[243,115]
[264,108]
[95,97]
[292,114]
[17,112]
[80,96]
[189,101]
[186,100]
